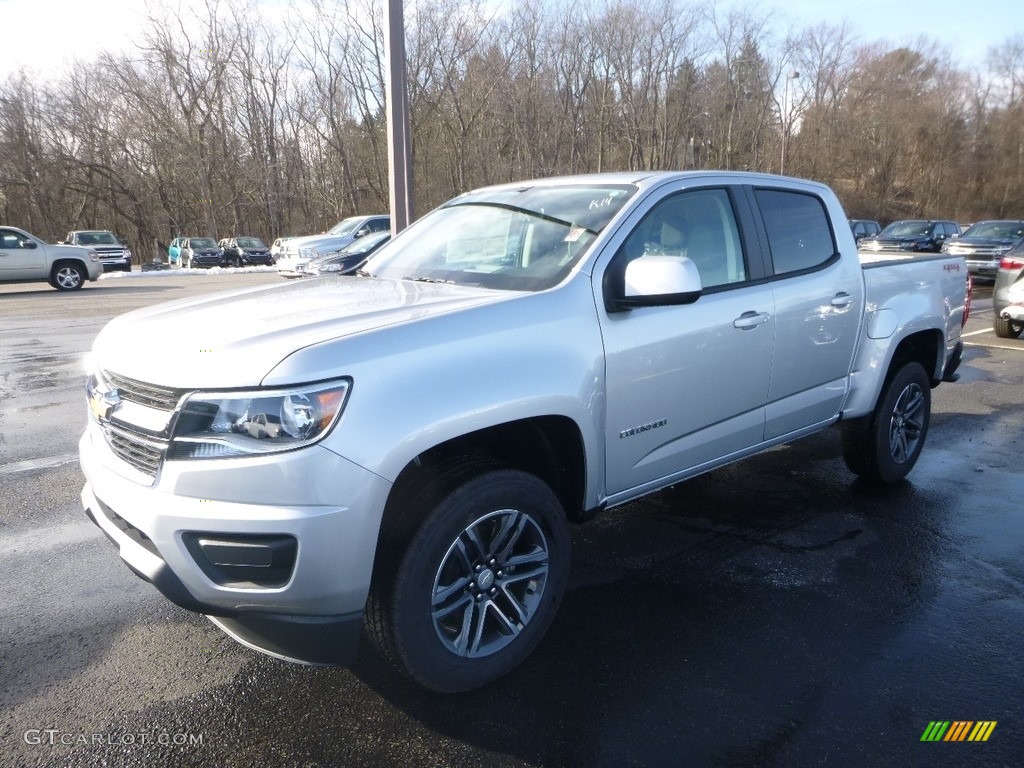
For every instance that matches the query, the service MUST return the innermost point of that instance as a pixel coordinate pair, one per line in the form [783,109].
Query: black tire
[67,276]
[1007,329]
[479,582]
[887,445]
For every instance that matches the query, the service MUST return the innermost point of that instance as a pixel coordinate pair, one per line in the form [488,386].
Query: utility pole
[399,140]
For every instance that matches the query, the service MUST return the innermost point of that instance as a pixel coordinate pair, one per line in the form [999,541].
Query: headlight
[93,256]
[331,267]
[215,425]
[307,253]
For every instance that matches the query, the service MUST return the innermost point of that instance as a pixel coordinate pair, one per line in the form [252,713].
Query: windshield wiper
[527,212]
[429,280]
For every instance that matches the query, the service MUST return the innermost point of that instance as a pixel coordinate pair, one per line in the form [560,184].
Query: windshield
[907,229]
[97,238]
[345,226]
[202,242]
[365,244]
[525,239]
[1005,230]
[250,242]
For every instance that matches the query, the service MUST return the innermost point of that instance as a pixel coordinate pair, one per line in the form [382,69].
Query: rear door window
[799,235]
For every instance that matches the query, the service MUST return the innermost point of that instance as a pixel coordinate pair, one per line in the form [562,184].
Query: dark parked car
[195,252]
[1008,294]
[864,228]
[241,251]
[348,259]
[913,236]
[985,243]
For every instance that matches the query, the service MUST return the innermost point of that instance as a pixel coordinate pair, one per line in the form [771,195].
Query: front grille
[151,395]
[144,454]
[976,251]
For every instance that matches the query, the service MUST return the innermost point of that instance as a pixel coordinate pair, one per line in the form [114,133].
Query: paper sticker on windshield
[575,233]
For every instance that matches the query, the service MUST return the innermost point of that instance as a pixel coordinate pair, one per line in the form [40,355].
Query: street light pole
[399,140]
[785,119]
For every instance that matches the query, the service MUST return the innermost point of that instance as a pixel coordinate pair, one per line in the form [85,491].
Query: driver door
[687,385]
[20,258]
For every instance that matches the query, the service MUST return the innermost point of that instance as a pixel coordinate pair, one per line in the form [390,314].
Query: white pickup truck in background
[25,258]
[406,448]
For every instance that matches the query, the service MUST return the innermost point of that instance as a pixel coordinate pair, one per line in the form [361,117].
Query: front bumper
[315,615]
[983,267]
[208,261]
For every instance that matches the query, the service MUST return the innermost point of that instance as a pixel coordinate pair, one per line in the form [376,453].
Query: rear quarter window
[799,234]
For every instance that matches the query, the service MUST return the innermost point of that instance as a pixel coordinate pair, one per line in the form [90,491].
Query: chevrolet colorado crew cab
[25,258]
[404,449]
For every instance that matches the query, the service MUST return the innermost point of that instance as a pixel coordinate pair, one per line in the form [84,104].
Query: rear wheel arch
[924,347]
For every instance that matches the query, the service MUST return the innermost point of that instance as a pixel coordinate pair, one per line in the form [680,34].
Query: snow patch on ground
[135,273]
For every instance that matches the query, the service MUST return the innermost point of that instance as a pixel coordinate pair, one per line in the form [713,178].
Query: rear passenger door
[818,296]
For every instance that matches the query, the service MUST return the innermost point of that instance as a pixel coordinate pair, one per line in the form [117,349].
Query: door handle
[750,320]
[842,299]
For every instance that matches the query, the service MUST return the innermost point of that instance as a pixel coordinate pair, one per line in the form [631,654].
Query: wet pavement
[774,613]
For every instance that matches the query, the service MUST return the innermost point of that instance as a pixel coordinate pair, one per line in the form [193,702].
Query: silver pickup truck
[25,258]
[405,449]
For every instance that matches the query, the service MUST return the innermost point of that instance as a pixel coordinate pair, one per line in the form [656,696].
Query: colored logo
[958,730]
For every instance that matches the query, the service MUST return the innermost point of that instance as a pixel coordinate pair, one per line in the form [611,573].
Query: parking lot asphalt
[777,612]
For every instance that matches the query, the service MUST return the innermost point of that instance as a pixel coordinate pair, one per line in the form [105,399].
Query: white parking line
[976,333]
[993,346]
[44,462]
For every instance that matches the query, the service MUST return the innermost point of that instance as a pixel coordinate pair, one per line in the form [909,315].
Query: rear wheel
[1007,329]
[67,276]
[478,584]
[887,445]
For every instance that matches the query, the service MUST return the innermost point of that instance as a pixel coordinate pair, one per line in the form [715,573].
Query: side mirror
[362,232]
[30,244]
[655,281]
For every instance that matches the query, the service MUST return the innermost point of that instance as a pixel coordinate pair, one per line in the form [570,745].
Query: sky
[45,35]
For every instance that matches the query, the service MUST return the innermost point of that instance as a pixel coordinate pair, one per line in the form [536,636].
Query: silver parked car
[1008,295]
[984,244]
[338,236]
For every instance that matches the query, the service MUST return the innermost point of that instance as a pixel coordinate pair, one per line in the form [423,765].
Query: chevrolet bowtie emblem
[103,403]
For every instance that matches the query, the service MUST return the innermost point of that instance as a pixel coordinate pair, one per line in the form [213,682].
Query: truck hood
[320,242]
[235,339]
[985,242]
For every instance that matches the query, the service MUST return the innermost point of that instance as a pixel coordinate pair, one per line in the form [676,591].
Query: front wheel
[1006,328]
[885,448]
[478,584]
